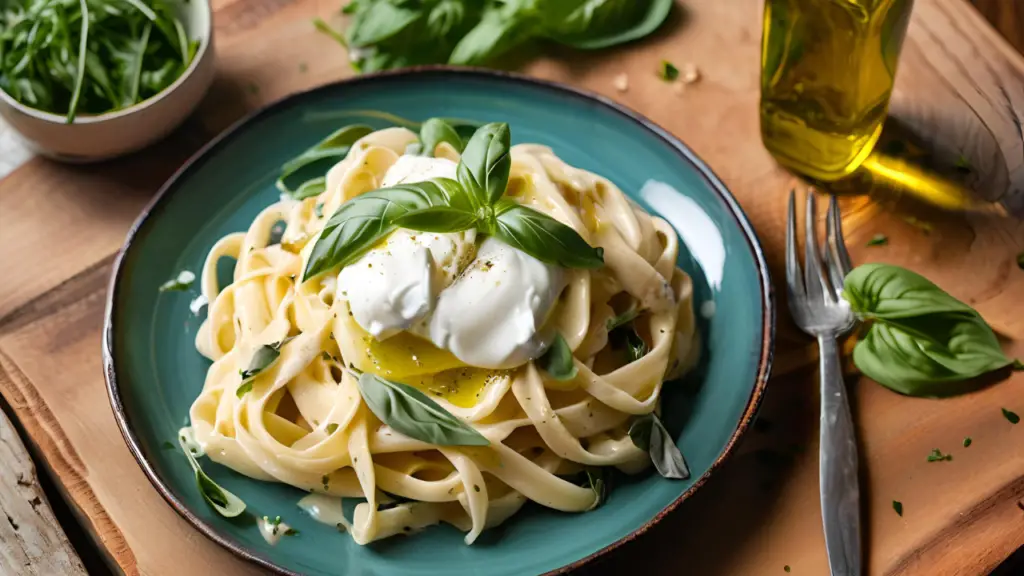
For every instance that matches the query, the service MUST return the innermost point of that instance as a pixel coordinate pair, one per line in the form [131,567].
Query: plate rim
[207,151]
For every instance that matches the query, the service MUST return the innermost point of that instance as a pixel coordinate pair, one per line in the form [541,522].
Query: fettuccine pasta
[304,422]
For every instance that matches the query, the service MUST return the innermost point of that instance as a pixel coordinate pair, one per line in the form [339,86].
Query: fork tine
[837,243]
[794,276]
[814,281]
[830,252]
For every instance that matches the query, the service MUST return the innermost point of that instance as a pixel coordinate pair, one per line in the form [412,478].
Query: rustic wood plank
[959,86]
[31,541]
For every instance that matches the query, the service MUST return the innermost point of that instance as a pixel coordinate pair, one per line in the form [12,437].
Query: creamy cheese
[491,316]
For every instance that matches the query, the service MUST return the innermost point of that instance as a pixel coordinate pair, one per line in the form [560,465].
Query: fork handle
[840,497]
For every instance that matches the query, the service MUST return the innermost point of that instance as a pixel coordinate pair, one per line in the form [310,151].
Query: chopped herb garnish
[878,240]
[668,72]
[1011,416]
[331,428]
[786,568]
[898,507]
[967,442]
[180,283]
[938,456]
[622,319]
[325,480]
[326,357]
[291,532]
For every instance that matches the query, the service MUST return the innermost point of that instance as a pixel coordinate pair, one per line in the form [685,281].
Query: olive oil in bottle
[827,72]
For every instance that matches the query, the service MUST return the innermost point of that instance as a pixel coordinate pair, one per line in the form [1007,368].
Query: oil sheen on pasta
[827,72]
[303,423]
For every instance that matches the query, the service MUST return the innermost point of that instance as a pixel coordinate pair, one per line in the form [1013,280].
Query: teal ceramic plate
[154,372]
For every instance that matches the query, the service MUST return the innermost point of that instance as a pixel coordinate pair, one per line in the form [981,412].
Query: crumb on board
[621,82]
[689,73]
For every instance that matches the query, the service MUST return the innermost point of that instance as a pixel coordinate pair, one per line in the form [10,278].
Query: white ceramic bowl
[103,136]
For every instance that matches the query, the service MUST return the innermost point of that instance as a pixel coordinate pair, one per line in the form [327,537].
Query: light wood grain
[959,86]
[31,541]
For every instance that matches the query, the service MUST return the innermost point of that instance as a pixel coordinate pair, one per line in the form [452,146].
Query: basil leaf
[557,361]
[602,23]
[649,434]
[434,131]
[543,237]
[224,502]
[362,221]
[380,21]
[485,165]
[179,283]
[890,292]
[261,360]
[310,188]
[1011,416]
[441,219]
[500,29]
[412,413]
[929,355]
[334,147]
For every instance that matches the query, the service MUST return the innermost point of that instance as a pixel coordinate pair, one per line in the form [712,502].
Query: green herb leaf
[1017,365]
[967,442]
[594,24]
[224,502]
[668,71]
[787,568]
[1011,416]
[179,283]
[485,165]
[543,237]
[381,21]
[413,414]
[442,219]
[361,222]
[898,507]
[334,148]
[557,361]
[262,359]
[244,389]
[649,434]
[890,292]
[937,456]
[500,29]
[332,428]
[878,240]
[434,131]
[929,355]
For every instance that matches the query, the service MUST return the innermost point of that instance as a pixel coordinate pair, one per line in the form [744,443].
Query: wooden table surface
[960,89]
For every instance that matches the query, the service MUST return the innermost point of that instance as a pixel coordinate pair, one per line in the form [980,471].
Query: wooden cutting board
[959,87]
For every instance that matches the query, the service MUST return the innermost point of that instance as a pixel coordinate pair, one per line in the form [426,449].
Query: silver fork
[817,306]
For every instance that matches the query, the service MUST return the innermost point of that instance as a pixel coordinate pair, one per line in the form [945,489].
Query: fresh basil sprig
[557,361]
[649,434]
[223,501]
[921,341]
[443,205]
[412,413]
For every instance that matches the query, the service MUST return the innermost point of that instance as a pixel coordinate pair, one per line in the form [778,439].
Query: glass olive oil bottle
[827,72]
